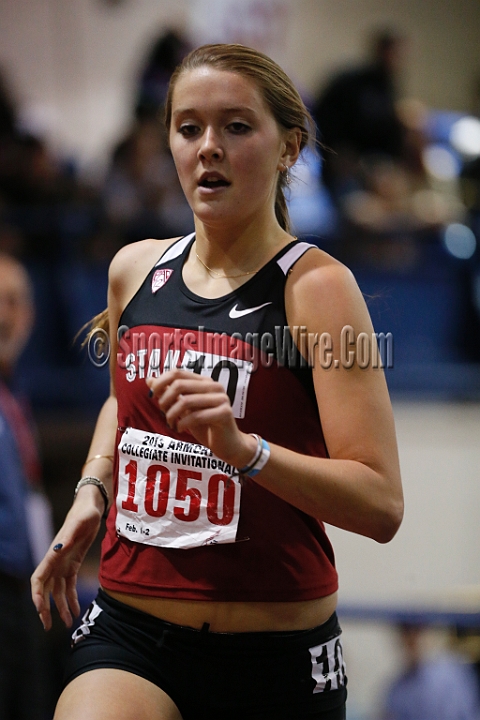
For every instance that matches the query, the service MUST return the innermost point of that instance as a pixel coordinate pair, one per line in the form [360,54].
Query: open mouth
[213,182]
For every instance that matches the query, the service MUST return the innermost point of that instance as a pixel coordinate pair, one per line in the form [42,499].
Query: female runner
[218,584]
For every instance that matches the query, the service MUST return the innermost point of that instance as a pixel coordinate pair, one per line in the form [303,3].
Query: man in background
[25,517]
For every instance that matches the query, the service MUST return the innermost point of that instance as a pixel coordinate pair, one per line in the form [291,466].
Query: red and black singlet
[182,526]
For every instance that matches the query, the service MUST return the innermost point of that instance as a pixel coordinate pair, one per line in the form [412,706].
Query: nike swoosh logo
[234,313]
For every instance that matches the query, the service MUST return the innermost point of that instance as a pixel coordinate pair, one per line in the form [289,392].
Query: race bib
[173,493]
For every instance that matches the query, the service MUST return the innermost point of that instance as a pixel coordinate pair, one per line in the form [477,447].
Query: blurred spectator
[25,516]
[11,240]
[142,195]
[442,687]
[357,117]
[167,51]
[32,175]
[8,115]
[34,186]
[373,166]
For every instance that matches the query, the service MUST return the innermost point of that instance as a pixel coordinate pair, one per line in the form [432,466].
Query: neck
[241,249]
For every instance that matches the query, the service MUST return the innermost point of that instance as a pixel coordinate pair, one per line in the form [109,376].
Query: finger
[46,619]
[42,607]
[41,600]
[169,378]
[38,584]
[37,592]
[158,385]
[188,386]
[60,599]
[208,420]
[186,404]
[72,595]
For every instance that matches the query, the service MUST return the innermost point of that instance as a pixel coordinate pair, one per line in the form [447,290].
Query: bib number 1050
[185,502]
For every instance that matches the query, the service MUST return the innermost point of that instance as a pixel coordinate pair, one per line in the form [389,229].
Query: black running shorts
[297,675]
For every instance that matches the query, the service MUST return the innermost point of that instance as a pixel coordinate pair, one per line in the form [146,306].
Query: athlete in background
[218,582]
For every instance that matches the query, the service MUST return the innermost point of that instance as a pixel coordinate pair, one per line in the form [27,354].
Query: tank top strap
[292,254]
[176,249]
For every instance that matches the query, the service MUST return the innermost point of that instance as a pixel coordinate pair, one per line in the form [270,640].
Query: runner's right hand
[57,573]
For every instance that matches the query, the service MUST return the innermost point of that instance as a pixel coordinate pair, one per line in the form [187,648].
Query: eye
[238,128]
[188,130]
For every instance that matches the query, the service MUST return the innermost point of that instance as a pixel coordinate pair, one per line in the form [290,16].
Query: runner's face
[226,144]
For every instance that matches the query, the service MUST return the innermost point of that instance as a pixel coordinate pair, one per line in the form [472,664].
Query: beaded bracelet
[260,459]
[91,480]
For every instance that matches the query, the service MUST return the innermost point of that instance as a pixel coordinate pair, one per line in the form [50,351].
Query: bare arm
[58,572]
[358,487]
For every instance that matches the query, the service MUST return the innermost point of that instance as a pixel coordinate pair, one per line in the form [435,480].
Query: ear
[290,149]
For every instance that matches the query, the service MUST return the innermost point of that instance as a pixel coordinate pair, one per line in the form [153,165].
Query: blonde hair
[100,321]
[278,91]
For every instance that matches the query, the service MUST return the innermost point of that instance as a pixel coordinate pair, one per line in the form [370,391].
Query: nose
[211,146]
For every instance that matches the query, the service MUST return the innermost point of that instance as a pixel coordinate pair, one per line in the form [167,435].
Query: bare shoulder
[132,263]
[137,257]
[321,286]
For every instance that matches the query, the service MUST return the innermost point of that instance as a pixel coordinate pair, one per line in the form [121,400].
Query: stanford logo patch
[159,278]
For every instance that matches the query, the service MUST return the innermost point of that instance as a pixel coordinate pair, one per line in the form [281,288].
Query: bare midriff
[235,616]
